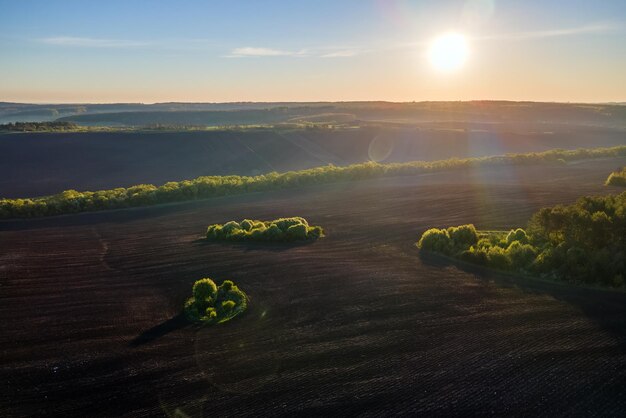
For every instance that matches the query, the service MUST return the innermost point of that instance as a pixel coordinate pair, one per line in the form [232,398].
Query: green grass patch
[278,230]
[211,304]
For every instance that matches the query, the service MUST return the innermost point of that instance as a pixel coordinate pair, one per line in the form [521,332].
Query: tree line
[72,201]
[38,127]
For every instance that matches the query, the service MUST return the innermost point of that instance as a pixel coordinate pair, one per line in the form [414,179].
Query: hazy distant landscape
[217,114]
[47,163]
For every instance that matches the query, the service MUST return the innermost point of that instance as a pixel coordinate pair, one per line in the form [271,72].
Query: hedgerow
[283,229]
[211,304]
[580,243]
[54,126]
[72,201]
[617,178]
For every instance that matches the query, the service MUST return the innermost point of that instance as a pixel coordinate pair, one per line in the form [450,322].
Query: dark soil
[353,324]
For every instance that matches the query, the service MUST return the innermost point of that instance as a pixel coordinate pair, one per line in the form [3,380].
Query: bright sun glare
[448,52]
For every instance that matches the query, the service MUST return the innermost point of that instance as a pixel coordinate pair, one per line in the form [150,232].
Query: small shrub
[450,241]
[285,223]
[214,231]
[521,255]
[274,233]
[228,305]
[551,261]
[211,313]
[204,289]
[498,258]
[227,285]
[436,240]
[315,232]
[517,235]
[475,255]
[246,224]
[463,237]
[229,227]
[296,232]
[258,234]
[484,243]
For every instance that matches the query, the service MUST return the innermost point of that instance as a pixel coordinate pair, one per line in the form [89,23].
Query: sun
[448,52]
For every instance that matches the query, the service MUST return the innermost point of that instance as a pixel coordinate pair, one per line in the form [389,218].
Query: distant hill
[23,112]
[244,113]
[195,117]
[468,112]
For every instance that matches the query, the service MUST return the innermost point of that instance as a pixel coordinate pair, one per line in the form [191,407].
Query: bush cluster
[211,304]
[449,241]
[617,178]
[72,201]
[54,126]
[283,229]
[580,243]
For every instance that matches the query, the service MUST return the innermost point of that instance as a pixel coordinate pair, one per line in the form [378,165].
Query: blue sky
[147,51]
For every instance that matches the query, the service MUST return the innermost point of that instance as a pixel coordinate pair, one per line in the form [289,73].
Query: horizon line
[53,103]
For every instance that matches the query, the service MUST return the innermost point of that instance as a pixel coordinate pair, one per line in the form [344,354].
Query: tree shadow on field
[256,245]
[605,307]
[175,323]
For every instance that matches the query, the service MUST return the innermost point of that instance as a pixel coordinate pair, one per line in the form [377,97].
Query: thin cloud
[257,52]
[340,54]
[521,36]
[198,44]
[552,33]
[326,52]
[72,41]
